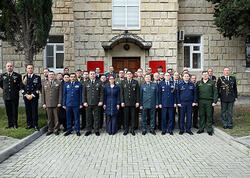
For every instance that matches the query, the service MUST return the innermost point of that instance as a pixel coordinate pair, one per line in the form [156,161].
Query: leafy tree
[232,17]
[25,24]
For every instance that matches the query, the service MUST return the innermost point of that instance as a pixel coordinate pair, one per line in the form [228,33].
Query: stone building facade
[98,30]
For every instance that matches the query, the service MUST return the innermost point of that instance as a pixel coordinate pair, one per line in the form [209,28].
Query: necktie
[92,82]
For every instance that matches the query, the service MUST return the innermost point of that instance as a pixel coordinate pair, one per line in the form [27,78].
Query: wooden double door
[132,63]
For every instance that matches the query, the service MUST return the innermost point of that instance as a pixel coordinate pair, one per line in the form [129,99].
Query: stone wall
[93,25]
[196,17]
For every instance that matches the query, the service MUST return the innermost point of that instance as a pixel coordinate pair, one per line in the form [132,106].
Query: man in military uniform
[195,108]
[104,83]
[51,100]
[207,95]
[148,103]
[98,75]
[177,81]
[93,100]
[227,91]
[45,75]
[31,86]
[111,72]
[10,82]
[167,101]
[210,74]
[130,96]
[186,99]
[158,114]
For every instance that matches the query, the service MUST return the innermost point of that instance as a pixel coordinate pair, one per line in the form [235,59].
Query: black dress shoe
[196,127]
[171,133]
[97,133]
[181,132]
[8,127]
[64,129]
[190,133]
[210,133]
[152,132]
[67,133]
[78,134]
[163,133]
[133,132]
[144,133]
[200,131]
[48,133]
[29,127]
[230,127]
[57,133]
[15,127]
[125,133]
[224,127]
[87,133]
[37,129]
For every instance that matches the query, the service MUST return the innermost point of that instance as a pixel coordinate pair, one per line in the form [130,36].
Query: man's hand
[59,105]
[85,104]
[156,106]
[193,104]
[196,104]
[160,106]
[104,107]
[118,107]
[219,99]
[64,107]
[179,105]
[137,105]
[141,107]
[123,105]
[236,99]
[213,104]
[81,106]
[175,105]
[100,104]
[44,106]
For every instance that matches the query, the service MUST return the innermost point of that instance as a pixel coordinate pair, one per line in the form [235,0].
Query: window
[126,14]
[54,53]
[193,52]
[248,52]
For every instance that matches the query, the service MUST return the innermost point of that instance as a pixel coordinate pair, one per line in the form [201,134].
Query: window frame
[56,70]
[126,20]
[191,45]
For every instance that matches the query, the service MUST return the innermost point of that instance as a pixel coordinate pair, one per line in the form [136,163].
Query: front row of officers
[120,100]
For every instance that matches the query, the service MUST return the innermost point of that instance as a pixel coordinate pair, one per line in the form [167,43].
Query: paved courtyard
[128,156]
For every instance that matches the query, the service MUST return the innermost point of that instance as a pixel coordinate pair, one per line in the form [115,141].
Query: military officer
[207,96]
[186,98]
[104,83]
[130,96]
[227,91]
[177,81]
[158,110]
[167,101]
[98,74]
[93,100]
[31,85]
[195,108]
[111,72]
[148,103]
[210,74]
[45,75]
[10,82]
[72,102]
[51,100]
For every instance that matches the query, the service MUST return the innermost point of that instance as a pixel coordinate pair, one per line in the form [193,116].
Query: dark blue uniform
[31,85]
[186,96]
[72,99]
[111,99]
[108,74]
[167,98]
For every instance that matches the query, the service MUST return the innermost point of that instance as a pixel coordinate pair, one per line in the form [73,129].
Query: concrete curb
[6,153]
[231,141]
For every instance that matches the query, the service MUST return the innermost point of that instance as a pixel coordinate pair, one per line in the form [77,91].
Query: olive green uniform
[207,94]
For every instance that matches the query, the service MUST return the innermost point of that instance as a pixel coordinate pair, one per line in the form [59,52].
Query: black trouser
[129,116]
[11,107]
[101,118]
[120,118]
[137,112]
[175,112]
[93,116]
[62,117]
[31,108]
[83,113]
[195,116]
[158,116]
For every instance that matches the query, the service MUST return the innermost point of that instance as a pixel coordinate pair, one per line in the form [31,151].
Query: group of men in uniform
[159,97]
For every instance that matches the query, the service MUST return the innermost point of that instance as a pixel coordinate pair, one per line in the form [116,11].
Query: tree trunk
[28,56]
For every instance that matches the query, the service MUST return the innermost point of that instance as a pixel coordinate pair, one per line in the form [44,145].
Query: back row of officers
[160,95]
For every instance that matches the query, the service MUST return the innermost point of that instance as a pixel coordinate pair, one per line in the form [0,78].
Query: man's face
[92,75]
[9,67]
[111,69]
[205,75]
[149,70]
[30,69]
[97,70]
[186,77]
[73,77]
[79,74]
[103,78]
[167,76]
[161,75]
[59,77]
[176,76]
[147,78]
[129,75]
[210,72]
[66,71]
[51,76]
[156,77]
[193,79]
[85,75]
[121,74]
[159,69]
[139,73]
[66,78]
[46,72]
[226,71]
